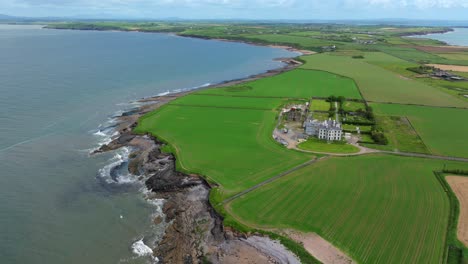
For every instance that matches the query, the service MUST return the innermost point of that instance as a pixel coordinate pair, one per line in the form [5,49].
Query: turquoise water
[58,89]
[458,37]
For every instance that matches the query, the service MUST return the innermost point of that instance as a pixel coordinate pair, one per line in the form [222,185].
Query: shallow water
[458,37]
[58,90]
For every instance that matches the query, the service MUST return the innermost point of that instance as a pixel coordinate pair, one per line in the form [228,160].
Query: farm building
[328,129]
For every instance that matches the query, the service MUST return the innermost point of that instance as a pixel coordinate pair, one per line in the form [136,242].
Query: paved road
[272,179]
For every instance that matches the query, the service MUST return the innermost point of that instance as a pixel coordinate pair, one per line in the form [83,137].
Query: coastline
[193,229]
[446,45]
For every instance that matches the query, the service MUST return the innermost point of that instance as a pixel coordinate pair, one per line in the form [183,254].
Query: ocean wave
[116,172]
[141,249]
[183,89]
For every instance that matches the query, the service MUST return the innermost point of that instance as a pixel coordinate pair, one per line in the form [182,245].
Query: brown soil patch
[320,248]
[450,67]
[459,185]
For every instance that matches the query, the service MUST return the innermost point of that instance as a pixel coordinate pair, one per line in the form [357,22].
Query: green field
[443,130]
[400,134]
[229,102]
[418,56]
[381,85]
[299,41]
[319,105]
[378,209]
[298,83]
[455,55]
[321,116]
[352,128]
[232,147]
[351,106]
[317,145]
[367,139]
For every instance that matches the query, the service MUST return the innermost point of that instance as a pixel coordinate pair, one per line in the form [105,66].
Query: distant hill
[5,17]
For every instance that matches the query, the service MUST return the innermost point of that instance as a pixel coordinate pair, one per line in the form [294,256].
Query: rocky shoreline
[194,231]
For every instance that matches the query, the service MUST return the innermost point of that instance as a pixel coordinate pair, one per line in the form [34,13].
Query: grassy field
[379,84]
[443,130]
[229,102]
[321,116]
[400,134]
[378,209]
[319,105]
[419,56]
[317,145]
[298,83]
[232,147]
[352,128]
[351,106]
[455,55]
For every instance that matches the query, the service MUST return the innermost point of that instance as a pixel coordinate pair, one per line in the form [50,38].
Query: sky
[240,9]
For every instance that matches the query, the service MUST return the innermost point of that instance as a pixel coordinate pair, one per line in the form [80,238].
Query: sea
[458,37]
[60,92]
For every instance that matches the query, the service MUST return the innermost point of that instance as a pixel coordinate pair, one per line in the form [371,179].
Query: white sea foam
[163,93]
[158,204]
[141,249]
[118,159]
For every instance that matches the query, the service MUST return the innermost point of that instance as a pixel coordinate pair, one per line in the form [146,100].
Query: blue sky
[250,9]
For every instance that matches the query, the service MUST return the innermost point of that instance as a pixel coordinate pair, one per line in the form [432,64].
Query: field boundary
[415,131]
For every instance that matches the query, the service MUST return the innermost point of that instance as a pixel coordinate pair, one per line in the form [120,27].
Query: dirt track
[459,185]
[320,248]
[450,67]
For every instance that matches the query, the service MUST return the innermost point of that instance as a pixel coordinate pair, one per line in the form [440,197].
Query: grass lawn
[319,105]
[401,135]
[314,144]
[443,130]
[233,147]
[352,128]
[376,208]
[351,106]
[381,85]
[321,116]
[367,141]
[299,83]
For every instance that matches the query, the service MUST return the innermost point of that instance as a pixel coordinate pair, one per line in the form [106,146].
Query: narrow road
[272,179]
[419,155]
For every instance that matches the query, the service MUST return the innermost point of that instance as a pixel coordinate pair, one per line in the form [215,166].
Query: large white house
[327,130]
